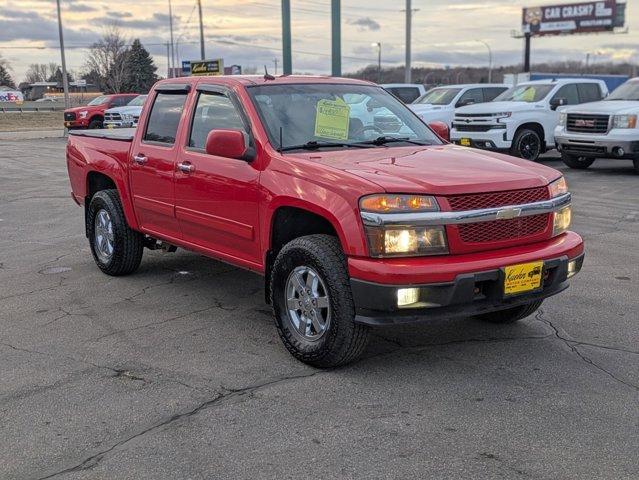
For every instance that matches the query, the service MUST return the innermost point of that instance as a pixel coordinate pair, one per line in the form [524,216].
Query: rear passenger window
[213,111]
[165,118]
[569,92]
[405,94]
[474,95]
[589,92]
[490,93]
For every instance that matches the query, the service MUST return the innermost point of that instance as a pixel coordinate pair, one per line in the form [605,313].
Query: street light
[378,45]
[65,80]
[490,60]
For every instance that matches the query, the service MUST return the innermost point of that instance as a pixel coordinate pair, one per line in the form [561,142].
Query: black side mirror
[555,103]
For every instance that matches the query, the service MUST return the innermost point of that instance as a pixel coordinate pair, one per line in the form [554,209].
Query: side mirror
[226,143]
[555,103]
[441,130]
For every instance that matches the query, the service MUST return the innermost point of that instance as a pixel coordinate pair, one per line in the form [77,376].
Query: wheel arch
[97,180]
[537,127]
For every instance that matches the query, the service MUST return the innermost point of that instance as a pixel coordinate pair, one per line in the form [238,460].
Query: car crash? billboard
[582,17]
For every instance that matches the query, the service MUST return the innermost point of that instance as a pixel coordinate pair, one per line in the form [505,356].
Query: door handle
[186,167]
[140,159]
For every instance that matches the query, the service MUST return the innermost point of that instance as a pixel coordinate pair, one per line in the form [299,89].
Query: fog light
[407,296]
[572,268]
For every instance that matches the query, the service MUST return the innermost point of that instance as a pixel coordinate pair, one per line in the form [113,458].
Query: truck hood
[437,170]
[497,107]
[606,107]
[135,110]
[83,108]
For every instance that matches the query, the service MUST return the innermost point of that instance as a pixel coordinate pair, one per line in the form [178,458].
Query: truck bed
[120,134]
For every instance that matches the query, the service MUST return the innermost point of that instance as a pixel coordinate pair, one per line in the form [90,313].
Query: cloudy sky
[247,32]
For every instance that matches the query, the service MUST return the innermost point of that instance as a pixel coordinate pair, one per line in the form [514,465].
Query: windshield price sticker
[332,119]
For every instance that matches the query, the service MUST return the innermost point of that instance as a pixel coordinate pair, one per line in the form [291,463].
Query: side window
[213,111]
[569,92]
[165,118]
[405,94]
[120,101]
[473,95]
[491,93]
[589,92]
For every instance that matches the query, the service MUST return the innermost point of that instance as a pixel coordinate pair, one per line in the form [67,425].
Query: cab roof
[248,80]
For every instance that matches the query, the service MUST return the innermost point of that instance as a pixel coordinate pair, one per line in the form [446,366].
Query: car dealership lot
[177,371]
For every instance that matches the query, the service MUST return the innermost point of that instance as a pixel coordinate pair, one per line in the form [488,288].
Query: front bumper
[119,124]
[469,294]
[494,139]
[79,123]
[599,146]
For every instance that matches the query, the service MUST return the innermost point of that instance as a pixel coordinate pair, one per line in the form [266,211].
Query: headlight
[84,113]
[398,204]
[406,241]
[563,119]
[624,121]
[561,221]
[503,114]
[558,187]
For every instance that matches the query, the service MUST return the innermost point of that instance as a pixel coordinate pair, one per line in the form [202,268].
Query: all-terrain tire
[510,315]
[579,163]
[128,245]
[344,341]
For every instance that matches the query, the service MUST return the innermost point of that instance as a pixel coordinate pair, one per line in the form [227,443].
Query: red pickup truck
[92,115]
[356,212]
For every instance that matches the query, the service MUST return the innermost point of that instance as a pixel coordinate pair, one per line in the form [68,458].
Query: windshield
[627,91]
[525,93]
[137,101]
[99,100]
[438,96]
[329,115]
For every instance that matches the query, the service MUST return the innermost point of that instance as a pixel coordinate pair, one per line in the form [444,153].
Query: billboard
[207,67]
[11,96]
[582,17]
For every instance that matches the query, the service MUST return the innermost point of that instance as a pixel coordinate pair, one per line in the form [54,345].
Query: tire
[635,163]
[341,340]
[95,124]
[510,315]
[527,144]
[579,163]
[107,226]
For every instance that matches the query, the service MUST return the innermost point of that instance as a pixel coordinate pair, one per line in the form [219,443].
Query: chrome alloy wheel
[103,236]
[307,303]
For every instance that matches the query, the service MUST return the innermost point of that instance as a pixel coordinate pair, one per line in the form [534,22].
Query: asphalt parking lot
[176,372]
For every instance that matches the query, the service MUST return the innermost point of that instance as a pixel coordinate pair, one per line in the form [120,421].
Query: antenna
[267,76]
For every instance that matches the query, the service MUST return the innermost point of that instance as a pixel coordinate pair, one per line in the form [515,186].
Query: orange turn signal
[390,203]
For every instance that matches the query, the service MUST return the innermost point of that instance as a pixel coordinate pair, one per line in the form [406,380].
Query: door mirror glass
[226,143]
[558,102]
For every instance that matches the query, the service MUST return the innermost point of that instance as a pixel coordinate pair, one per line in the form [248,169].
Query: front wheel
[116,248]
[95,124]
[527,144]
[313,304]
[635,163]
[579,163]
[510,315]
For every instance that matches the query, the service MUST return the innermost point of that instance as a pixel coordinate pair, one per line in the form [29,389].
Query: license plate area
[523,278]
[465,142]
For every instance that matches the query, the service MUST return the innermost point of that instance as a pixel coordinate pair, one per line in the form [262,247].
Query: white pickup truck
[606,129]
[522,120]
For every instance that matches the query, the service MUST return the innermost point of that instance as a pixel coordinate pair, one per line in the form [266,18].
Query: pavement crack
[227,394]
[572,345]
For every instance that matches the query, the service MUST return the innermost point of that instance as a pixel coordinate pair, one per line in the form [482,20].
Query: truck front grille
[498,199]
[500,230]
[464,127]
[585,123]
[112,117]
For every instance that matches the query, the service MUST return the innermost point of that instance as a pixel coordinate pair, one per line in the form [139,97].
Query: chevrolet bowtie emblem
[508,213]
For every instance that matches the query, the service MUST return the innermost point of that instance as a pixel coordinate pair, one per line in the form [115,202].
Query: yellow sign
[523,278]
[332,119]
[465,142]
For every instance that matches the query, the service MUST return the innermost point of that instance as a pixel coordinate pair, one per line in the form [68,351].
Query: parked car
[606,129]
[406,92]
[47,100]
[351,225]
[439,104]
[522,120]
[92,115]
[125,117]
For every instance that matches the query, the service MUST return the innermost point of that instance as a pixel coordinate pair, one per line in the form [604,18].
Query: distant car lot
[177,372]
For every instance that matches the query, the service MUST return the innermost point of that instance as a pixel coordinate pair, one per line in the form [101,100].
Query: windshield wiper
[313,145]
[383,140]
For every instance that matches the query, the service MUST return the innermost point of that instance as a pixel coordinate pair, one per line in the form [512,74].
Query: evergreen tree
[139,69]
[5,78]
[57,77]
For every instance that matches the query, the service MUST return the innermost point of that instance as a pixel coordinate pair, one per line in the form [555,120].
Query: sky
[248,32]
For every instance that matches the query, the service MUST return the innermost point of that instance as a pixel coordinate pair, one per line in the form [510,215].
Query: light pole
[172,71]
[409,13]
[202,53]
[287,64]
[336,38]
[65,80]
[379,60]
[490,61]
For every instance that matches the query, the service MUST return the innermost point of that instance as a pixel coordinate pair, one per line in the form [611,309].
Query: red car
[92,115]
[355,212]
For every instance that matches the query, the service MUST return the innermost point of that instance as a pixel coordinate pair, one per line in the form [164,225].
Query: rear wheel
[511,315]
[117,250]
[95,123]
[313,304]
[573,161]
[527,144]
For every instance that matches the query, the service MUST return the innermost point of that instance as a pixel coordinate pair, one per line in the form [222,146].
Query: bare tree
[37,72]
[107,58]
